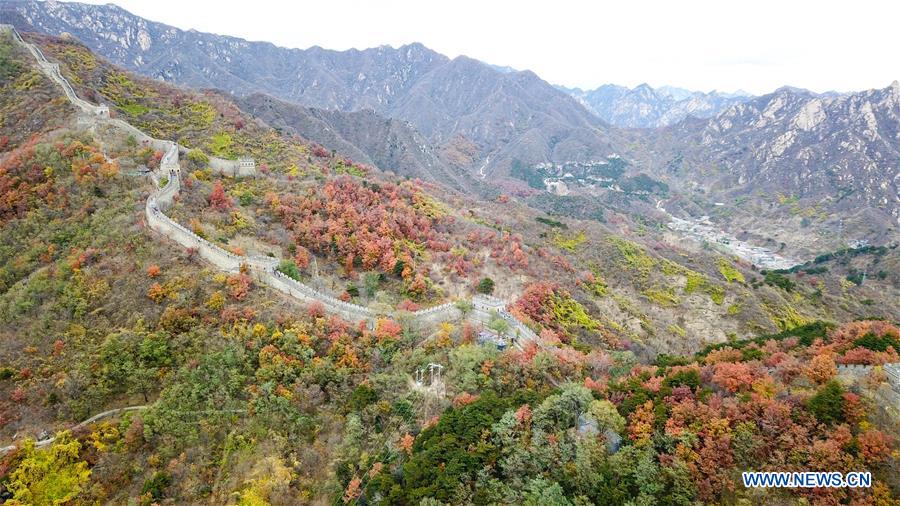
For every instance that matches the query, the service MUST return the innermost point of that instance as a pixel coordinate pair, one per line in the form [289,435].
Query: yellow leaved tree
[52,476]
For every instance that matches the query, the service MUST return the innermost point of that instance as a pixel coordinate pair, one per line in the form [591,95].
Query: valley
[706,232]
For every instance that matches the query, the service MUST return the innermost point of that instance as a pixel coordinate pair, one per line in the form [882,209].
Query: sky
[726,45]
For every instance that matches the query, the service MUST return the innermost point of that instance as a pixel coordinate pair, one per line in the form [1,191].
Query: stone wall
[162,224]
[435,315]
[235,168]
[485,307]
[52,71]
[854,369]
[166,195]
[139,136]
[298,290]
[264,269]
[893,374]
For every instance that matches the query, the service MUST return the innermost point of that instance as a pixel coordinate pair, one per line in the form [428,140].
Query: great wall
[482,308]
[264,269]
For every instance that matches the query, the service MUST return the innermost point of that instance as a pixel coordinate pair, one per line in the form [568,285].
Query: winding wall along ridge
[484,307]
[263,268]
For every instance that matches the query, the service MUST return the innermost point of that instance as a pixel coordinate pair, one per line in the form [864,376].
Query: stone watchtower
[246,166]
[103,111]
[488,303]
[169,163]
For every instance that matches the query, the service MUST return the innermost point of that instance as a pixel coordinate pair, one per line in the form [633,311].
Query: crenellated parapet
[242,167]
[291,286]
[893,374]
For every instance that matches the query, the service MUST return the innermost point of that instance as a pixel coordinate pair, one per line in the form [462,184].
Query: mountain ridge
[461,120]
[398,83]
[646,107]
[363,135]
[806,160]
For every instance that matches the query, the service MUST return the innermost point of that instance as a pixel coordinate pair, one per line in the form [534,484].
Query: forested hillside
[659,374]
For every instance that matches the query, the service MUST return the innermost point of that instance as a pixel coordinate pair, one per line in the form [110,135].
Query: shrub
[156,485]
[221,145]
[290,269]
[216,301]
[635,257]
[320,151]
[661,297]
[666,360]
[51,476]
[385,328]
[315,309]
[729,272]
[688,377]
[877,343]
[362,396]
[772,278]
[551,223]
[485,286]
[828,403]
[218,199]
[198,157]
[157,293]
[569,243]
[239,285]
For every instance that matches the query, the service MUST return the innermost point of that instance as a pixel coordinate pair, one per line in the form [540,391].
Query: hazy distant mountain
[496,115]
[677,93]
[646,107]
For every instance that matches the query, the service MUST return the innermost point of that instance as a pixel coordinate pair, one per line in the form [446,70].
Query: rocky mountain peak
[646,107]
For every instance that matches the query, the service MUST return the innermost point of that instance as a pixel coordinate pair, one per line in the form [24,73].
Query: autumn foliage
[153,271]
[28,174]
[371,227]
[385,328]
[218,199]
[239,285]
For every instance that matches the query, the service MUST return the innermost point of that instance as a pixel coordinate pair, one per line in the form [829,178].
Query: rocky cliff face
[646,107]
[504,115]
